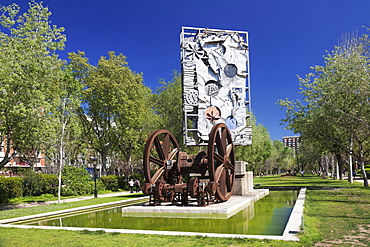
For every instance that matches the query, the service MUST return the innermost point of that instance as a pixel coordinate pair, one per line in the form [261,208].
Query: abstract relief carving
[215,67]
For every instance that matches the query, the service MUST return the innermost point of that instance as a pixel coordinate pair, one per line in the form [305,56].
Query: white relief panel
[215,68]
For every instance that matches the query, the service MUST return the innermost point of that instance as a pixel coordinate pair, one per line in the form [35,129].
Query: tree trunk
[366,182]
[350,168]
[340,162]
[103,170]
[59,182]
[362,164]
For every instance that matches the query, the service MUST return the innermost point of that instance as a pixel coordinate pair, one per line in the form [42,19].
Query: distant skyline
[286,38]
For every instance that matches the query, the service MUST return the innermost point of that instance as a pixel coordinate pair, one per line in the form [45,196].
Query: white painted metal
[215,70]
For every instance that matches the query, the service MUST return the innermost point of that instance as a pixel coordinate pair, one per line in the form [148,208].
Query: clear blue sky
[286,37]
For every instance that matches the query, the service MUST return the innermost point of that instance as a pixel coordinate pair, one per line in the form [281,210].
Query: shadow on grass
[338,201]
[132,196]
[341,216]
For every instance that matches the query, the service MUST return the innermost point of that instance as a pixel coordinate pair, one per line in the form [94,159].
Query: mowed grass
[332,217]
[13,213]
[307,180]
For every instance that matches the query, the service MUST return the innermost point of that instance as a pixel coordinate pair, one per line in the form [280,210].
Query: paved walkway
[74,199]
[356,179]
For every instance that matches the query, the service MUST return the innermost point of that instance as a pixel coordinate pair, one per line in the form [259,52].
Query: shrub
[76,181]
[110,182]
[33,183]
[50,184]
[14,187]
[3,193]
[99,185]
[122,182]
[10,187]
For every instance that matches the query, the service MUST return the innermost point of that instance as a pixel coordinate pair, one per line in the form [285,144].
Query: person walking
[137,185]
[131,184]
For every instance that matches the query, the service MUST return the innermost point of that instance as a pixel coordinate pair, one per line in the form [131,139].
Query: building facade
[291,141]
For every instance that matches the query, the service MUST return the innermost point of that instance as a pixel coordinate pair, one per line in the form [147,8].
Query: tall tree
[68,135]
[168,106]
[29,68]
[281,158]
[256,155]
[337,109]
[114,106]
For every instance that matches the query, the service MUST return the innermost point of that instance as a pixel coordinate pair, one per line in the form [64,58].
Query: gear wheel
[211,188]
[192,187]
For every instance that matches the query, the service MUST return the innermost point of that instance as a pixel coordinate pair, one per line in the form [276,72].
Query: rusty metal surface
[209,176]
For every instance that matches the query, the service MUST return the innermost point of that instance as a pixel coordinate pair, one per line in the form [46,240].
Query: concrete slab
[222,210]
[295,222]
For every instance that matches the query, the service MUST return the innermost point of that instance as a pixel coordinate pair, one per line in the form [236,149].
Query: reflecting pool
[267,216]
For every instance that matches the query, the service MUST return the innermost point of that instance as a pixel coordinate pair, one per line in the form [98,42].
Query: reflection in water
[268,216]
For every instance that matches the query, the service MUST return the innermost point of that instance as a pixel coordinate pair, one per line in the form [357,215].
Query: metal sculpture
[215,83]
[209,176]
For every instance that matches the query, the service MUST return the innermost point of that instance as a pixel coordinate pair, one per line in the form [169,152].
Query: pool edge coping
[292,227]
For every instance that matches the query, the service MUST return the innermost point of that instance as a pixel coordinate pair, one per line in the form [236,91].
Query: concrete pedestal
[243,183]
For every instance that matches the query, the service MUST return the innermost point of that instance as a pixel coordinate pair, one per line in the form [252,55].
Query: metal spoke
[229,148]
[155,160]
[158,148]
[157,174]
[166,145]
[228,180]
[220,143]
[219,158]
[173,154]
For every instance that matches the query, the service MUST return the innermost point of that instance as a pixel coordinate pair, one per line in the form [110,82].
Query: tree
[337,108]
[256,155]
[114,109]
[168,106]
[29,68]
[67,129]
[281,158]
[309,155]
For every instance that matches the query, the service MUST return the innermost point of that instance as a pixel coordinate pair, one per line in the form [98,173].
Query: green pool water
[268,216]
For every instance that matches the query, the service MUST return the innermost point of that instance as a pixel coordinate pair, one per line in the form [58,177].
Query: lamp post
[95,161]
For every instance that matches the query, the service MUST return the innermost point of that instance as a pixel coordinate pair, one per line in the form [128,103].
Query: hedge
[10,187]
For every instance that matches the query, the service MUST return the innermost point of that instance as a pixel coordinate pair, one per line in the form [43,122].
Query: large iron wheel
[221,161]
[160,154]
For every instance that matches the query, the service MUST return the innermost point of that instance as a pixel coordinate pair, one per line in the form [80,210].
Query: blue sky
[286,37]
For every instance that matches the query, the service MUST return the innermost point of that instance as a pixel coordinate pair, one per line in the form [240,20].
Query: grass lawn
[307,180]
[336,217]
[6,214]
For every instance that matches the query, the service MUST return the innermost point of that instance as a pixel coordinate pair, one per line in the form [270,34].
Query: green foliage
[33,183]
[116,106]
[50,184]
[110,182]
[168,106]
[281,158]
[76,181]
[334,114]
[29,70]
[256,155]
[122,182]
[100,186]
[10,187]
[3,193]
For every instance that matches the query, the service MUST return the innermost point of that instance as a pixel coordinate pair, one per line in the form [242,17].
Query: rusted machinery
[209,176]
